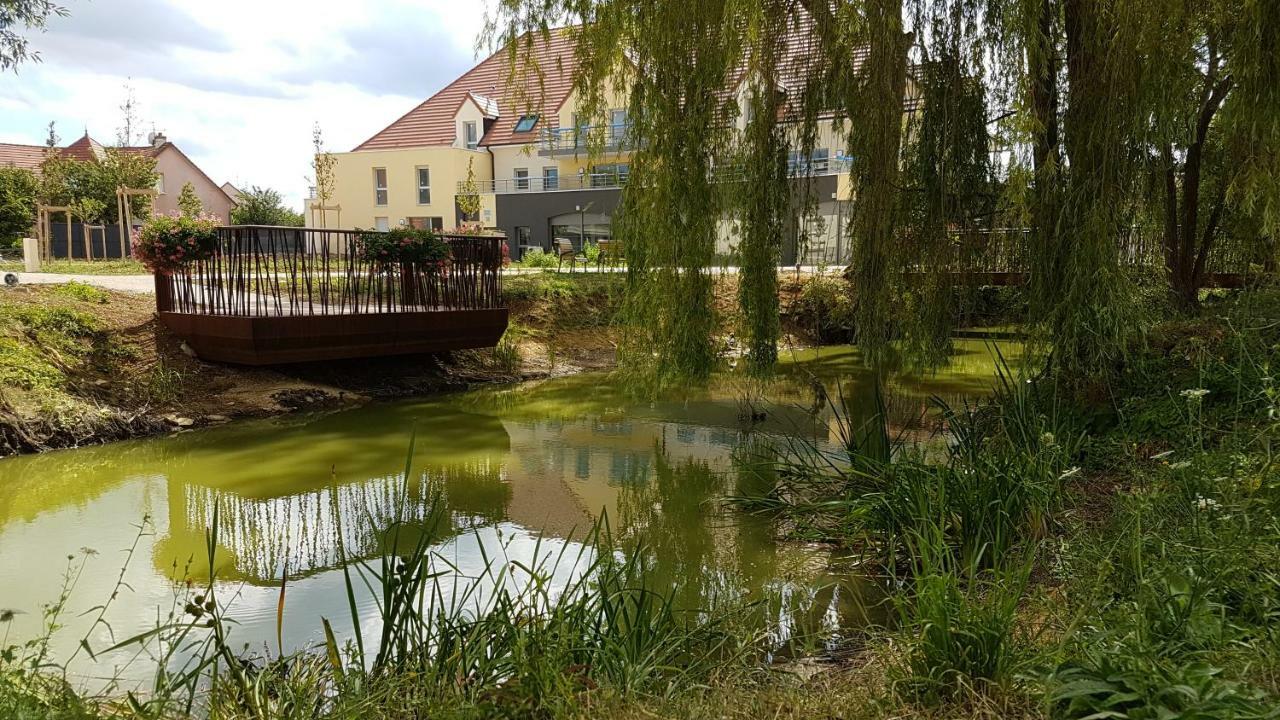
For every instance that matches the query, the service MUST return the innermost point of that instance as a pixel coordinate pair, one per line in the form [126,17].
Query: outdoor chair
[564,249]
[611,253]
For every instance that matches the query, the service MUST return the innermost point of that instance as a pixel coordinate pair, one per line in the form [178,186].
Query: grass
[80,291]
[43,344]
[81,267]
[1079,554]
[552,300]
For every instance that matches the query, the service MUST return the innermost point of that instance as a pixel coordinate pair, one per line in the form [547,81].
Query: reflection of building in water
[310,531]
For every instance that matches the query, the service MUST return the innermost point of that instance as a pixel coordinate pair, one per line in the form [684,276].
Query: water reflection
[512,465]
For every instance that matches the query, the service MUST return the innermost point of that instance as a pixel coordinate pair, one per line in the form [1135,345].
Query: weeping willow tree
[948,188]
[720,94]
[1078,90]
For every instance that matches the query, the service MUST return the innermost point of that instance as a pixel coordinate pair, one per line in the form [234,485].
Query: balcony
[588,181]
[560,142]
[819,164]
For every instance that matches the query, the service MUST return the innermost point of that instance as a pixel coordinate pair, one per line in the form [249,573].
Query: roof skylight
[526,123]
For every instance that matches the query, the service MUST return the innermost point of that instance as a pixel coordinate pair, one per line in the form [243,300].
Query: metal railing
[579,139]
[261,271]
[587,181]
[816,167]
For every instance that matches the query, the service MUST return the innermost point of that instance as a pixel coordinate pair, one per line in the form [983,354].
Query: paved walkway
[143,284]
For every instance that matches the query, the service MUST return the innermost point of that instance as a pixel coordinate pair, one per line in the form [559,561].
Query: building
[173,169]
[232,192]
[524,148]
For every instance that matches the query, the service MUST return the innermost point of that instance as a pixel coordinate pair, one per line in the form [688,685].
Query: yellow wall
[468,112]
[506,158]
[354,186]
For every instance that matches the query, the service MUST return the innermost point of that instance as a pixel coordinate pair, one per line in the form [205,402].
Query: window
[550,178]
[160,183]
[612,175]
[380,186]
[576,226]
[470,134]
[522,236]
[424,186]
[618,125]
[381,225]
[522,178]
[820,160]
[426,223]
[526,123]
[817,162]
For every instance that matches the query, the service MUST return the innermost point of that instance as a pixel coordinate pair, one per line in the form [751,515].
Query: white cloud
[237,84]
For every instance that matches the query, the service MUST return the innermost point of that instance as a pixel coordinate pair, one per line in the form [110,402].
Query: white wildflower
[1204,503]
[1194,393]
[1180,465]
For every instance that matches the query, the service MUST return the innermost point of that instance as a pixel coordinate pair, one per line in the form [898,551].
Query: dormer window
[526,123]
[470,134]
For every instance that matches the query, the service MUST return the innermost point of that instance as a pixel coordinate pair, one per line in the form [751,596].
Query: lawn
[81,267]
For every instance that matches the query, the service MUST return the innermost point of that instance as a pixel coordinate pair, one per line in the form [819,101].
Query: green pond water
[525,470]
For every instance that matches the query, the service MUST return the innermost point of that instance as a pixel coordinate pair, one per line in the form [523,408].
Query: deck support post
[164,292]
[408,285]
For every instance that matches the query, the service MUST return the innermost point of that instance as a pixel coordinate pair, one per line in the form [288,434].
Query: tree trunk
[1187,244]
[1042,71]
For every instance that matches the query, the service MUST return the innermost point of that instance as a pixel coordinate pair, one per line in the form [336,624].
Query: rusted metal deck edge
[283,339]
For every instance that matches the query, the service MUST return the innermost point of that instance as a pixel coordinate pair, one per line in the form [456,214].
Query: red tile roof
[23,156]
[84,149]
[431,123]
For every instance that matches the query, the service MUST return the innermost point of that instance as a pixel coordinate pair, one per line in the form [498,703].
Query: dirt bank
[82,365]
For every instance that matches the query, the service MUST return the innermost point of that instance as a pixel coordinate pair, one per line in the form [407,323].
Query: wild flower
[1180,465]
[1194,393]
[1204,503]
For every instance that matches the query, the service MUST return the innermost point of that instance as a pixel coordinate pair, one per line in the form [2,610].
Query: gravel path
[142,284]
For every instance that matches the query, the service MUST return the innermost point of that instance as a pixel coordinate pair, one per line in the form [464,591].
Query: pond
[524,471]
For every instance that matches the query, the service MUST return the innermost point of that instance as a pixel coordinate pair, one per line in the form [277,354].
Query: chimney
[157,139]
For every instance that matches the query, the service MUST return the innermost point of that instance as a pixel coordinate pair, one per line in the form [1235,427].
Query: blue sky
[237,84]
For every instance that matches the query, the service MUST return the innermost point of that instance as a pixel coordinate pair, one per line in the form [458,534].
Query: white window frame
[552,173]
[522,181]
[470,134]
[380,194]
[618,130]
[382,224]
[417,179]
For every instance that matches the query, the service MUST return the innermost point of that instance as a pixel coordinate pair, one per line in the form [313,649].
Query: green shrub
[825,308]
[537,258]
[59,321]
[22,367]
[960,627]
[82,292]
[1122,682]
[167,244]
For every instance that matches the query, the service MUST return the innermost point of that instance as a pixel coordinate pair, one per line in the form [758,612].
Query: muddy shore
[94,366]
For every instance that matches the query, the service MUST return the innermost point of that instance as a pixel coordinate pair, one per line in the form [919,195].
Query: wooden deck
[272,296]
[248,340]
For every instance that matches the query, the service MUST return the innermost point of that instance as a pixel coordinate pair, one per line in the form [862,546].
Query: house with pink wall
[173,169]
